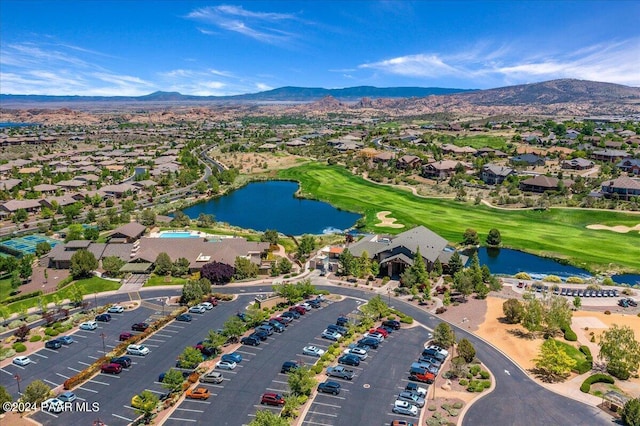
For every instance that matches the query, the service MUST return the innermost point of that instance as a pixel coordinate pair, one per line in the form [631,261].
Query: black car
[262,335]
[329,387]
[184,317]
[103,317]
[250,340]
[434,354]
[139,326]
[337,329]
[288,366]
[369,341]
[124,361]
[342,321]
[349,360]
[290,314]
[392,323]
[315,303]
[53,344]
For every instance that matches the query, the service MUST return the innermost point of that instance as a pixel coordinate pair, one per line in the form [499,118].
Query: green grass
[156,280]
[86,286]
[481,141]
[557,233]
[5,288]
[572,351]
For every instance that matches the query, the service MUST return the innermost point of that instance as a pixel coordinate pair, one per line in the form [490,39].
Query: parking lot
[237,398]
[368,398]
[114,392]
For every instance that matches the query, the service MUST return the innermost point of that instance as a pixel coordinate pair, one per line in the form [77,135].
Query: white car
[305,305]
[22,360]
[379,337]
[207,305]
[53,405]
[137,350]
[443,352]
[331,335]
[312,351]
[359,352]
[89,325]
[226,365]
[197,309]
[116,309]
[403,407]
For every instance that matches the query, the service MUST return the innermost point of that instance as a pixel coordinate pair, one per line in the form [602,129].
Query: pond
[272,205]
[510,262]
[631,279]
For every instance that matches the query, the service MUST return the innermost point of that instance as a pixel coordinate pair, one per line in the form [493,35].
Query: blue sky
[222,48]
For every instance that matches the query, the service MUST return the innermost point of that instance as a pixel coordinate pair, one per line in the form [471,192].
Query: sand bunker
[620,228]
[386,221]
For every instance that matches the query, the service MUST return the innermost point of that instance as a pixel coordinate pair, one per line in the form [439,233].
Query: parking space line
[173,325]
[334,396]
[5,371]
[20,367]
[327,405]
[80,335]
[181,419]
[63,376]
[280,381]
[245,352]
[260,406]
[189,409]
[199,402]
[276,390]
[74,369]
[150,345]
[156,340]
[92,357]
[122,417]
[88,390]
[84,363]
[55,385]
[154,391]
[162,335]
[80,399]
[46,349]
[171,331]
[51,414]
[322,414]
[100,383]
[316,423]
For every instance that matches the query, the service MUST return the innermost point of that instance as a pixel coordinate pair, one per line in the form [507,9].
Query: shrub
[474,370]
[575,280]
[385,280]
[32,318]
[458,405]
[570,335]
[607,312]
[6,353]
[484,375]
[523,276]
[22,297]
[583,366]
[587,352]
[19,347]
[486,384]
[441,310]
[432,408]
[405,319]
[463,382]
[35,338]
[552,279]
[51,332]
[15,323]
[596,378]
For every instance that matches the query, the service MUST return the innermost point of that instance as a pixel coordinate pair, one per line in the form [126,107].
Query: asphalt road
[238,398]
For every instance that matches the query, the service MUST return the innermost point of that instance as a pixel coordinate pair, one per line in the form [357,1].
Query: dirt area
[38,281]
[621,229]
[387,221]
[469,314]
[254,162]
[16,419]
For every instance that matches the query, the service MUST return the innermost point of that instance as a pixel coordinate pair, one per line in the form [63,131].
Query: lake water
[510,262]
[272,205]
[4,124]
[632,279]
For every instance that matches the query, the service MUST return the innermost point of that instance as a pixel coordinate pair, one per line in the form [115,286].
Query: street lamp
[95,300]
[104,348]
[18,380]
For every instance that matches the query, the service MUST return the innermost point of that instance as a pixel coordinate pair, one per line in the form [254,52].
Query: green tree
[620,349]
[20,216]
[375,308]
[255,316]
[419,268]
[557,315]
[42,248]
[83,262]
[112,265]
[346,262]
[533,315]
[245,268]
[163,264]
[443,335]
[494,239]
[306,245]
[470,237]
[147,217]
[15,280]
[4,397]
[553,363]
[214,341]
[173,380]
[437,268]
[25,269]
[74,232]
[466,350]
[577,302]
[91,233]
[463,282]
[206,220]
[148,403]
[190,357]
[301,381]
[270,236]
[191,292]
[631,412]
[180,267]
[36,392]
[284,265]
[233,328]
[268,418]
[513,311]
[455,263]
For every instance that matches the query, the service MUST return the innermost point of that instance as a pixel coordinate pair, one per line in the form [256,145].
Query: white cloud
[420,65]
[263,87]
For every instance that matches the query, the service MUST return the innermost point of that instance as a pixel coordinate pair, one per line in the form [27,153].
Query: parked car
[293,314]
[349,359]
[313,351]
[184,318]
[305,305]
[88,325]
[337,329]
[125,336]
[380,330]
[355,351]
[140,326]
[282,320]
[66,340]
[212,377]
[266,328]
[207,305]
[329,387]
[425,377]
[53,344]
[233,357]
[271,398]
[124,361]
[137,350]
[52,405]
[277,326]
[260,335]
[412,398]
[103,318]
[404,407]
[197,309]
[392,323]
[67,396]
[379,337]
[298,309]
[342,321]
[414,387]
[370,342]
[116,309]
[314,303]
[111,368]
[22,360]
[226,365]
[331,335]
[250,340]
[197,393]
[288,366]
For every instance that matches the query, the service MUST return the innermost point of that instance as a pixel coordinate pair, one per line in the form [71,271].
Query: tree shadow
[545,376]
[522,334]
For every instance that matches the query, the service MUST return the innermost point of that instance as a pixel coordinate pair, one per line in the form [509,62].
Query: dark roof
[131,230]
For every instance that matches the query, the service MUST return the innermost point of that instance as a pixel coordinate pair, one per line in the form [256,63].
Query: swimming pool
[177,234]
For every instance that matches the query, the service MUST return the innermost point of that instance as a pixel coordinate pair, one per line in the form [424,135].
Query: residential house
[543,183]
[528,160]
[493,174]
[9,184]
[12,206]
[457,150]
[409,162]
[630,165]
[384,157]
[61,201]
[490,152]
[442,169]
[72,184]
[129,232]
[577,164]
[119,190]
[609,155]
[623,187]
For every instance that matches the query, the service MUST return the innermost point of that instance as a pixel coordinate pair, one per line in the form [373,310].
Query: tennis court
[21,246]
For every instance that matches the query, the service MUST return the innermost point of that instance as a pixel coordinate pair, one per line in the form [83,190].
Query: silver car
[212,377]
[404,407]
[411,397]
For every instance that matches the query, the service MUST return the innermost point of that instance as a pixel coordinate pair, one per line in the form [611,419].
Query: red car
[213,301]
[271,398]
[111,368]
[125,336]
[424,378]
[298,309]
[382,331]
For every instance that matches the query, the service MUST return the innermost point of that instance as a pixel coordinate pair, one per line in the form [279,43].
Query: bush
[51,332]
[607,312]
[596,378]
[19,347]
[22,297]
[570,335]
[6,353]
[474,370]
[552,279]
[523,276]
[432,408]
[35,338]
[484,375]
[587,352]
[16,324]
[575,280]
[441,310]
[583,366]
[458,405]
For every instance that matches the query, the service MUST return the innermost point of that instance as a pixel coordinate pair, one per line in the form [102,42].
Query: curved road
[516,399]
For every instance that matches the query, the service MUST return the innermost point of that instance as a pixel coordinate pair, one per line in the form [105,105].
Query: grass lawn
[5,288]
[86,286]
[156,280]
[572,351]
[558,233]
[481,141]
